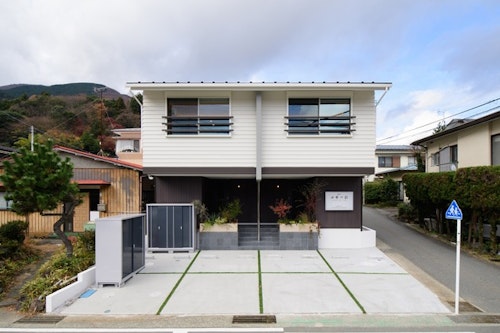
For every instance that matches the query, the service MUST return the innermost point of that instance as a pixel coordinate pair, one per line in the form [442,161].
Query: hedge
[476,190]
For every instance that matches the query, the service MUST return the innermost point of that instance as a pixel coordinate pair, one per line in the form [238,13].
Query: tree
[134,106]
[40,181]
[441,126]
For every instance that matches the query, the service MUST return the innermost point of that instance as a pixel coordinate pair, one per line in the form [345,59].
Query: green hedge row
[476,190]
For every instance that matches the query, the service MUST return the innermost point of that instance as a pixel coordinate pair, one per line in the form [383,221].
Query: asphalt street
[479,280]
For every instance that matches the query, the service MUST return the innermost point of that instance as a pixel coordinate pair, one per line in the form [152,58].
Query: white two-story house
[260,142]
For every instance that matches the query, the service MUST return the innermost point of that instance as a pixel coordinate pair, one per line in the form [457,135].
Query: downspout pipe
[258,156]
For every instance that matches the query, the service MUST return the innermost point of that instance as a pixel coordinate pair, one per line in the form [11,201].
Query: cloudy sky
[442,56]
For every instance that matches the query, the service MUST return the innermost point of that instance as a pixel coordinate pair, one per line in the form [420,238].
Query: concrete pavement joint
[177,284]
[342,283]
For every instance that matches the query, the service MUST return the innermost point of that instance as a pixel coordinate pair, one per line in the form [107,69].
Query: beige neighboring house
[128,145]
[464,143]
[394,161]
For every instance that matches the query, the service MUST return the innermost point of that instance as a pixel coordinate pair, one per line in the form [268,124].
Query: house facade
[259,143]
[128,146]
[466,143]
[394,161]
[107,186]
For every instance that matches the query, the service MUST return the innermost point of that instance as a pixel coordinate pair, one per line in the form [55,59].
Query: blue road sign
[453,212]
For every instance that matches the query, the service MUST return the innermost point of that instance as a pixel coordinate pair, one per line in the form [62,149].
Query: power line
[397,136]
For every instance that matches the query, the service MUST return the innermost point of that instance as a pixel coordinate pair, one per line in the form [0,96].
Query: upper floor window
[193,116]
[316,116]
[128,146]
[495,149]
[412,160]
[446,158]
[385,161]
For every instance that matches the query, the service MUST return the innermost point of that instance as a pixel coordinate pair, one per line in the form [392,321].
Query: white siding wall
[239,149]
[281,150]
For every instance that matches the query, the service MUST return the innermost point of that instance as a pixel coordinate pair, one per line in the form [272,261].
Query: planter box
[298,236]
[225,227]
[299,227]
[218,236]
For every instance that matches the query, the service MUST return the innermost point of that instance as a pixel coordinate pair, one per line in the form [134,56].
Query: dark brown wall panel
[178,189]
[341,219]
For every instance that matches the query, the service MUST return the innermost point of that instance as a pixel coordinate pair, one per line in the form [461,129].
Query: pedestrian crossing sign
[453,212]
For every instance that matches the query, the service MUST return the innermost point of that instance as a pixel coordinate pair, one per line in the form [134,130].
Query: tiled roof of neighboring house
[406,168]
[396,148]
[6,151]
[92,182]
[126,130]
[454,129]
[95,157]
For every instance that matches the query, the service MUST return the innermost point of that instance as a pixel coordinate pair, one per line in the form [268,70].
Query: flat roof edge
[258,85]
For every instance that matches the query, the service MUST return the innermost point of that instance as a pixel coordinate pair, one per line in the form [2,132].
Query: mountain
[70,89]
[72,115]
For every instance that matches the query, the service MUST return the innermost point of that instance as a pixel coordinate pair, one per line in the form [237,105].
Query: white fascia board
[262,86]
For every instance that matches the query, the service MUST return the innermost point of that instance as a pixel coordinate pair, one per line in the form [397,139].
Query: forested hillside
[79,116]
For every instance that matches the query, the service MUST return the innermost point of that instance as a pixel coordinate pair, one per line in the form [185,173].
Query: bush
[57,273]
[381,192]
[406,212]
[14,230]
[12,235]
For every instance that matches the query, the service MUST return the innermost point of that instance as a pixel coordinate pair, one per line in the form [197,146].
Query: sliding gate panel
[171,226]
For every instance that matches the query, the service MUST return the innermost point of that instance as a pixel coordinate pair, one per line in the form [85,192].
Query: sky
[441,56]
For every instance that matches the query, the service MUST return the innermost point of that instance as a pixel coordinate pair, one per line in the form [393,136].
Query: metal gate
[171,227]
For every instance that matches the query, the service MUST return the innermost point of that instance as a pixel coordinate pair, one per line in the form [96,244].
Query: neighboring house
[466,143]
[260,142]
[128,144]
[394,161]
[108,187]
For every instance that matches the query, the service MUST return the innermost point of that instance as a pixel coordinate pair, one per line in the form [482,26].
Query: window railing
[311,125]
[195,125]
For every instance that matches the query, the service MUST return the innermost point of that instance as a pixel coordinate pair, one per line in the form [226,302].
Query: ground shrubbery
[382,192]
[58,272]
[14,255]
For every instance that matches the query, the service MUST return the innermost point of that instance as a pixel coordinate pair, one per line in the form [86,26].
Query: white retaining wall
[84,281]
[346,238]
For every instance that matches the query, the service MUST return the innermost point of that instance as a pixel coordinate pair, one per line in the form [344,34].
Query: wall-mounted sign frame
[339,200]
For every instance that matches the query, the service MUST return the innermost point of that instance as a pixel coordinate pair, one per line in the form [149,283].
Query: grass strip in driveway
[343,284]
[177,284]
[261,300]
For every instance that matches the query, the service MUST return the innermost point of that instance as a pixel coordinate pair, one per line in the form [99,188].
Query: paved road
[479,280]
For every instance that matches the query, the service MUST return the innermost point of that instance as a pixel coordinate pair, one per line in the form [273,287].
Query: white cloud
[440,56]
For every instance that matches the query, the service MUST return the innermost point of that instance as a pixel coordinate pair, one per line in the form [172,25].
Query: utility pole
[101,126]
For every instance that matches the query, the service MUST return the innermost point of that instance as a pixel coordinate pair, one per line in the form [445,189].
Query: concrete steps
[269,237]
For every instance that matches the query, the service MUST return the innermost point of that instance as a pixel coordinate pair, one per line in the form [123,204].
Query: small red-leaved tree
[38,181]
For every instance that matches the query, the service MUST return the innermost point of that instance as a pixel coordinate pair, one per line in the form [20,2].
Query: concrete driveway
[337,281]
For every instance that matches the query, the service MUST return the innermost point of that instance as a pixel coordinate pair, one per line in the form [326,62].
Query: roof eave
[472,123]
[261,86]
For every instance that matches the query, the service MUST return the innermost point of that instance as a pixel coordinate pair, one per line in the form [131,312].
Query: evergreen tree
[39,181]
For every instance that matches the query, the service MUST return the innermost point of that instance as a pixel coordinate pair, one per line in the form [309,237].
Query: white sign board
[336,200]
